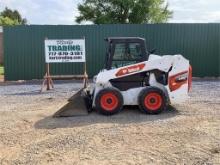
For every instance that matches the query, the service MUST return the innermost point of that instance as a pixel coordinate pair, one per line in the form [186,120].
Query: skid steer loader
[132,76]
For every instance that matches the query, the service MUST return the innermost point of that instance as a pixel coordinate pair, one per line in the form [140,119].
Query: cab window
[120,52]
[134,50]
[126,54]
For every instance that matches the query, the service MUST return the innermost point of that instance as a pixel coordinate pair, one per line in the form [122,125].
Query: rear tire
[152,100]
[109,101]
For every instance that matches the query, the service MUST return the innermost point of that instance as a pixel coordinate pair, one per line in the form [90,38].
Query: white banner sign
[71,50]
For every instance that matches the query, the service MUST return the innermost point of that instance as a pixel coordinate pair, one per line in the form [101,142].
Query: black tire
[152,100]
[109,101]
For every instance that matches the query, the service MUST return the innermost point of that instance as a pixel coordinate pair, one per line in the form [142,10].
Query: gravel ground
[186,134]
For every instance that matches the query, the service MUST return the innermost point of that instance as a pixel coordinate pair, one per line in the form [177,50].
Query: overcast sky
[64,11]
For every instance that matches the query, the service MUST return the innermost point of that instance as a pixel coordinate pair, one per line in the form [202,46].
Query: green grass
[1,70]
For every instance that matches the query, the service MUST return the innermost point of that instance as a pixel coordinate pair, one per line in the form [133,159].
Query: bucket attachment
[77,105]
[80,104]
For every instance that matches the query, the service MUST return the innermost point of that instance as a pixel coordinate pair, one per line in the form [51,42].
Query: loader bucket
[76,106]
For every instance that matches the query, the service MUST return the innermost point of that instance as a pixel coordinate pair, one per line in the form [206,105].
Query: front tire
[152,100]
[109,101]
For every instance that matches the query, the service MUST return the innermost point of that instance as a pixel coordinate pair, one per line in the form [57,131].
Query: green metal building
[24,46]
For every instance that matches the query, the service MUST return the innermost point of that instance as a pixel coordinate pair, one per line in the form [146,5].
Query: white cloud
[44,11]
[199,11]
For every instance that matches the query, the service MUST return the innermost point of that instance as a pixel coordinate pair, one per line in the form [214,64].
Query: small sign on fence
[68,50]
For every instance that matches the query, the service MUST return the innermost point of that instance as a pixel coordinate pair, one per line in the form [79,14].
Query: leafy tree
[123,11]
[9,16]
[8,21]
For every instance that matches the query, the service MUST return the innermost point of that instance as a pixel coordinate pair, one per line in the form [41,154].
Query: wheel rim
[109,101]
[153,101]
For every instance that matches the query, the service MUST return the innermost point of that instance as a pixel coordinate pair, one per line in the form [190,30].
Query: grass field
[1,70]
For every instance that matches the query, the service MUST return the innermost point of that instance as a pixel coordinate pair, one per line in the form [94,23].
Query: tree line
[11,17]
[107,12]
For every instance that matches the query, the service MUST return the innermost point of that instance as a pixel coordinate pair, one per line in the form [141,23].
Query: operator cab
[123,51]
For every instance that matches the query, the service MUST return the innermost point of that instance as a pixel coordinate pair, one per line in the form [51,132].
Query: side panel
[162,63]
[131,96]
[180,72]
